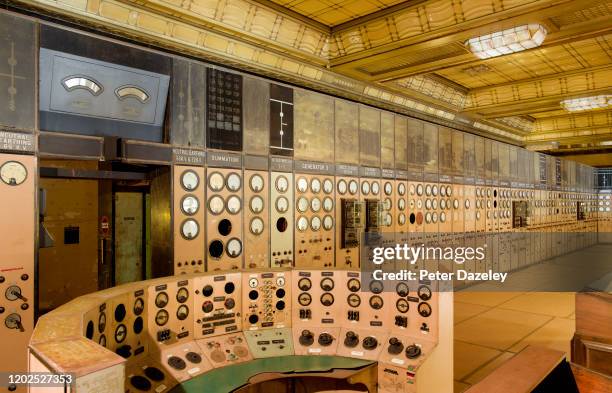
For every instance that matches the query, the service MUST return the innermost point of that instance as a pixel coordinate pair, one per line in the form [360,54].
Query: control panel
[281,219]
[225,350]
[218,305]
[189,219]
[170,319]
[350,222]
[266,299]
[256,224]
[183,361]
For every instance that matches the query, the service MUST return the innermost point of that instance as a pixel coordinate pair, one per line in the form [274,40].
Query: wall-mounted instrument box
[224,110]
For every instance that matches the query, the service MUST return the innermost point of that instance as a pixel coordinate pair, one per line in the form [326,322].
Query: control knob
[13,321]
[351,340]
[13,293]
[413,351]
[395,346]
[370,343]
[306,338]
[325,339]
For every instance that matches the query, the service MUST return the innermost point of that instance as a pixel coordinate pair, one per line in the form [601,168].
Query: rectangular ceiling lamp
[507,41]
[587,103]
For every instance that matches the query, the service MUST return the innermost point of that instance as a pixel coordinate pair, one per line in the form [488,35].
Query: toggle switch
[13,321]
[13,293]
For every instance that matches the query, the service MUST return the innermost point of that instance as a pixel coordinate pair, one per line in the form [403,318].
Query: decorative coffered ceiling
[408,56]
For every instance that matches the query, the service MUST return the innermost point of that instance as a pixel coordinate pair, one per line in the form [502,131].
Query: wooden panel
[469,156]
[128,237]
[369,136]
[479,156]
[281,120]
[161,225]
[314,126]
[387,140]
[504,161]
[459,163]
[188,103]
[256,116]
[347,132]
[430,148]
[401,142]
[589,381]
[445,149]
[415,144]
[488,158]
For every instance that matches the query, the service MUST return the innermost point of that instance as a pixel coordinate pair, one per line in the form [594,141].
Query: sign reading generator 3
[413,254]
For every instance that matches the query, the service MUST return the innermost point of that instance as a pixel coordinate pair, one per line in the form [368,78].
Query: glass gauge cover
[282,184]
[182,312]
[376,286]
[365,188]
[402,305]
[256,204]
[282,204]
[387,204]
[315,204]
[353,285]
[401,189]
[302,204]
[353,300]
[234,204]
[328,222]
[434,190]
[443,191]
[315,223]
[328,204]
[182,295]
[302,184]
[257,225]
[190,180]
[353,187]
[419,189]
[328,186]
[304,299]
[161,300]
[342,187]
[256,183]
[216,181]
[190,205]
[401,204]
[376,302]
[375,188]
[190,229]
[216,205]
[315,185]
[401,219]
[13,173]
[234,182]
[411,189]
[388,188]
[234,247]
[302,224]
[428,190]
[161,318]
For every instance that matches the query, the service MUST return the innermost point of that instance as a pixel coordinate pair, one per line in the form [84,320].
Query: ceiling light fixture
[507,41]
[587,103]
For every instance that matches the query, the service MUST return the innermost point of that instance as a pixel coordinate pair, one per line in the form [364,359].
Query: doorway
[131,236]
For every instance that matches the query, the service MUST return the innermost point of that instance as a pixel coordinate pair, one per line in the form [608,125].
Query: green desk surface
[226,379]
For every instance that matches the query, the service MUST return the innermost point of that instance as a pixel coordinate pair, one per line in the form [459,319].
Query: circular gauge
[353,187]
[256,183]
[488,204]
[161,300]
[282,204]
[256,226]
[216,205]
[328,222]
[182,295]
[365,188]
[428,218]
[315,185]
[327,299]
[302,184]
[256,204]
[161,318]
[434,203]
[302,224]
[13,173]
[467,203]
[234,182]
[442,217]
[234,204]
[376,302]
[428,204]
[182,312]
[190,180]
[401,189]
[353,300]
[402,289]
[442,204]
[434,217]
[402,305]
[190,205]
[401,204]
[442,191]
[304,299]
[342,187]
[216,181]
[102,340]
[456,203]
[302,204]
[434,190]
[253,283]
[388,188]
[375,188]
[419,204]
[478,192]
[387,204]
[315,223]
[120,333]
[190,229]
[280,281]
[424,310]
[234,247]
[327,284]
[478,215]
[449,191]
[138,306]
[424,292]
[282,184]
[328,204]
[488,193]
[401,219]
[411,204]
[419,189]
[328,186]
[388,220]
[478,204]
[376,286]
[102,322]
[428,190]
[353,285]
[315,204]
[304,284]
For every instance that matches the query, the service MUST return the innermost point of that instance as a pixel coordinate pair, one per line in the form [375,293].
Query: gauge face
[388,188]
[375,188]
[353,188]
[401,219]
[428,218]
[304,299]
[419,189]
[478,215]
[353,300]
[234,182]
[428,204]
[434,217]
[411,189]
[401,204]
[376,286]
[388,220]
[216,181]
[190,180]
[282,184]
[304,284]
[328,204]
[256,183]
[315,185]
[302,184]
[328,222]
[328,186]
[282,204]
[387,204]
[424,292]
[13,173]
[456,203]
[302,204]
[256,204]
[442,217]
[434,190]
[257,225]
[182,312]
[161,300]
[327,299]
[327,284]
[401,189]
[161,318]
[253,283]
[190,205]
[102,340]
[120,333]
[353,285]
[434,203]
[428,190]
[101,322]
[449,190]
[138,306]
[315,223]
[302,224]
[467,203]
[315,204]
[234,247]
[216,205]
[424,310]
[234,204]
[182,295]
[402,305]
[402,289]
[190,229]
[376,302]
[443,204]
[443,191]
[365,188]
[419,204]
[342,187]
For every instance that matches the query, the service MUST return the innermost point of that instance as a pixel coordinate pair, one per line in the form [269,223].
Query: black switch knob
[370,343]
[351,340]
[325,339]
[395,346]
[306,338]
[207,306]
[413,351]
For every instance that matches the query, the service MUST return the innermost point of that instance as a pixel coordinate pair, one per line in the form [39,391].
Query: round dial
[256,204]
[161,318]
[387,204]
[456,203]
[328,204]
[424,310]
[376,286]
[304,299]
[328,186]
[353,300]
[428,218]
[434,190]
[353,188]
[182,312]
[342,187]
[434,217]
[328,222]
[234,247]
[401,189]
[376,302]
[302,224]
[419,189]
[302,204]
[434,203]
[190,180]
[327,299]
[282,184]
[182,295]
[102,340]
[401,204]
[161,300]
[478,215]
[190,229]
[101,322]
[411,189]
[120,333]
[190,205]
[253,283]
[401,219]
[353,285]
[302,184]
[256,183]
[216,205]
[443,191]
[257,225]
[315,223]
[388,188]
[315,185]
[442,204]
[234,204]
[402,305]
[138,306]
[424,292]
[428,190]
[467,203]
[282,204]
[402,289]
[280,281]
[419,203]
[375,188]
[216,181]
[388,220]
[13,173]
[315,204]
[304,284]
[234,182]
[442,217]
[428,204]
[327,284]
[365,188]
